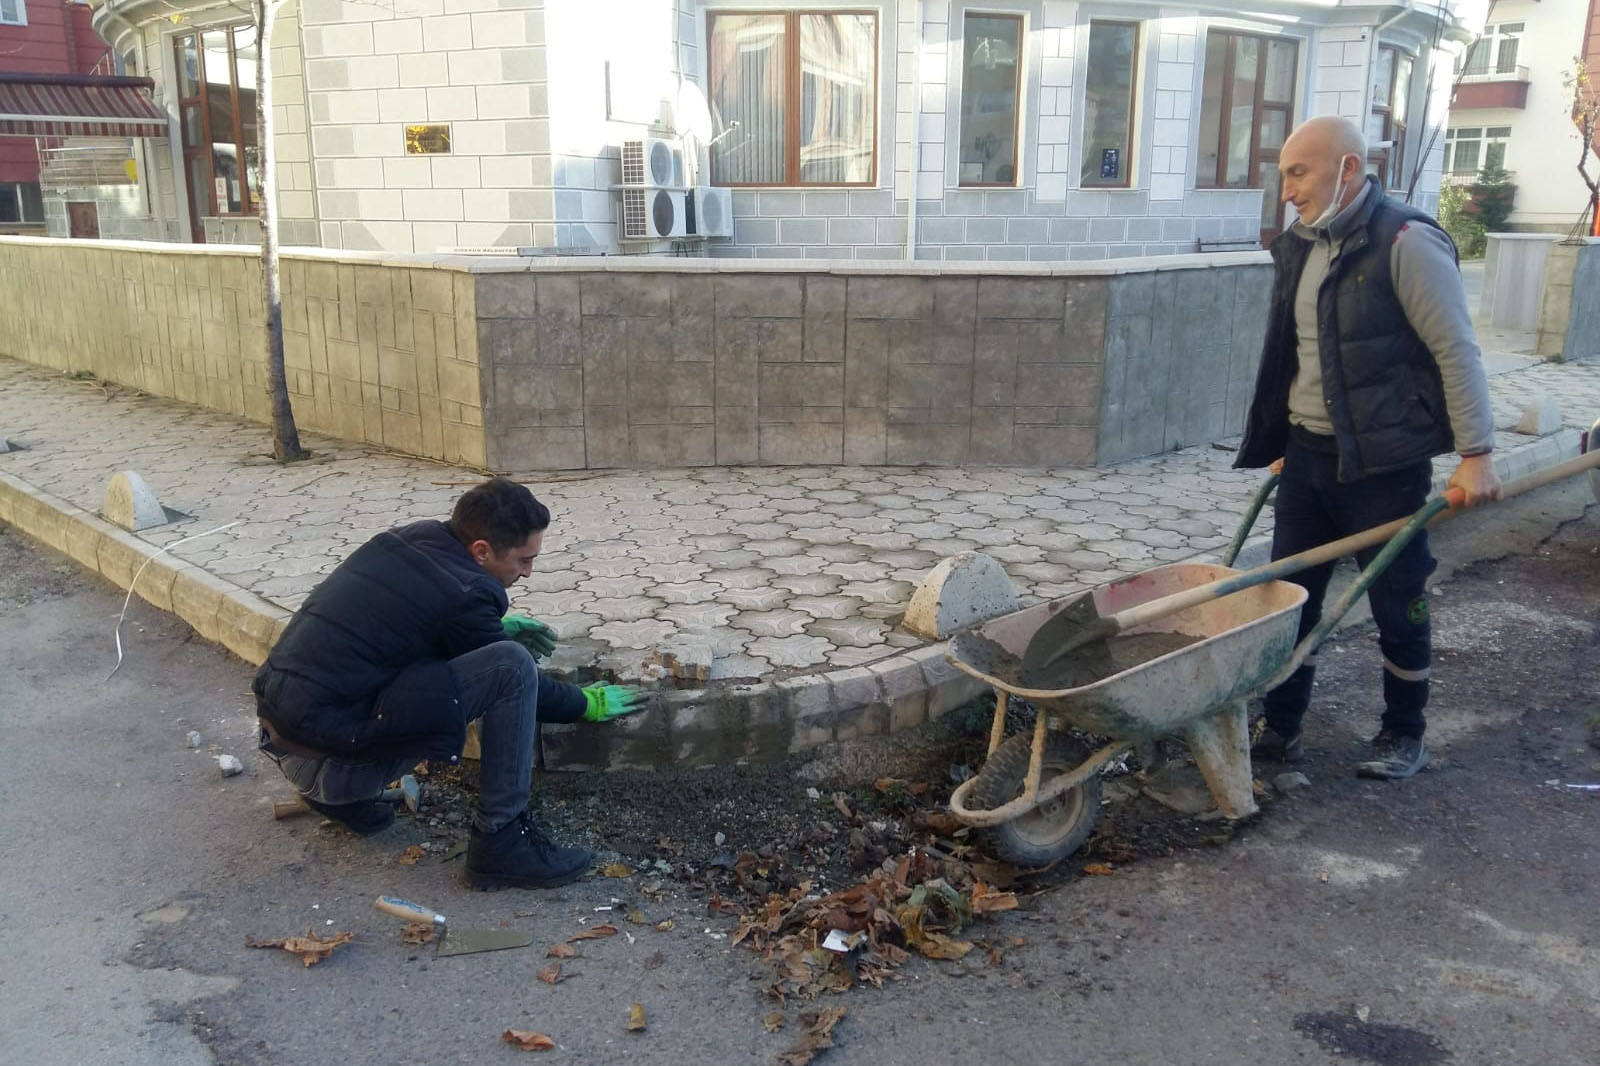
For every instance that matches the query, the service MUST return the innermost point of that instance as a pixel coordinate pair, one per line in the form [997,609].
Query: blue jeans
[499,684]
[1314,507]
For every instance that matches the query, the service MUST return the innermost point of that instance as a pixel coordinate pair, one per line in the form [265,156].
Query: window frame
[1391,161]
[22,203]
[201,102]
[791,90]
[1127,181]
[20,18]
[1019,101]
[1260,106]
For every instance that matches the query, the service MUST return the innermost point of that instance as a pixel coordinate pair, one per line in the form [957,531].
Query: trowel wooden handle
[411,912]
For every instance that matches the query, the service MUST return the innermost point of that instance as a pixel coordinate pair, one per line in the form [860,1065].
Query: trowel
[454,941]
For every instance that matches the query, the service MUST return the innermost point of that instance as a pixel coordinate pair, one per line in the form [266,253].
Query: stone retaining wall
[540,364]
[375,350]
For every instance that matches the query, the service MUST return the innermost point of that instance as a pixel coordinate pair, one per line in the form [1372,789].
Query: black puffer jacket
[1381,384]
[363,668]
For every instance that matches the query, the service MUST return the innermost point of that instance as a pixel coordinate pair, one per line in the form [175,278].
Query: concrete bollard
[130,504]
[1540,417]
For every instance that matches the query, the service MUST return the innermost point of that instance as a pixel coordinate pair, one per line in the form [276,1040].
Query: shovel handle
[411,912]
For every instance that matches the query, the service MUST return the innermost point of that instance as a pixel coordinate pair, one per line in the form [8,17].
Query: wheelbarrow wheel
[1051,831]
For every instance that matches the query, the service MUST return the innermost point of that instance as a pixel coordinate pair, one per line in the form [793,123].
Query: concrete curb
[688,727]
[217,609]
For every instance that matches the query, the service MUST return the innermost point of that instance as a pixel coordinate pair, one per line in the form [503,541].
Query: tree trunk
[285,437]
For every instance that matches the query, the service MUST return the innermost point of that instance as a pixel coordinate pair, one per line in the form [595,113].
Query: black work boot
[518,855]
[365,818]
[1267,743]
[1395,757]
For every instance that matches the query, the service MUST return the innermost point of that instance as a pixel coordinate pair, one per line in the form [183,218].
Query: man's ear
[480,550]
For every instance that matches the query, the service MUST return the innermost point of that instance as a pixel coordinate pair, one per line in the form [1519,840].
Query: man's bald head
[1321,163]
[1331,134]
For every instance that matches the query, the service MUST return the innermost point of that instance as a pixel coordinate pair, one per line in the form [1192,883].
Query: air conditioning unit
[652,161]
[654,214]
[713,211]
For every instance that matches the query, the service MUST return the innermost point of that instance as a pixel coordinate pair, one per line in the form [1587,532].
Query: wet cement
[1093,662]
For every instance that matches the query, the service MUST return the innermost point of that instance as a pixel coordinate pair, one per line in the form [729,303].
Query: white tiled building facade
[926,151]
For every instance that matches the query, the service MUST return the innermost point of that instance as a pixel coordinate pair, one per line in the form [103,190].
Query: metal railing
[1508,73]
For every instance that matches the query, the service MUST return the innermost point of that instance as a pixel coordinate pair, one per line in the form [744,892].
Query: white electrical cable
[134,583]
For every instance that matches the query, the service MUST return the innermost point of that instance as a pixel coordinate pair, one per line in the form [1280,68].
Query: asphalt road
[1446,919]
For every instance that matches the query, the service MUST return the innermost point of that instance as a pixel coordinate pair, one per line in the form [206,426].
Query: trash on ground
[523,1040]
[194,739]
[839,940]
[311,948]
[616,869]
[411,856]
[635,1018]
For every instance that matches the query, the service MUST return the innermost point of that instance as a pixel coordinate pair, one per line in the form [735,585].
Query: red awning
[78,105]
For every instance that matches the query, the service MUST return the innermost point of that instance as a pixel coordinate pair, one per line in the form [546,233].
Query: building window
[991,85]
[1493,53]
[21,203]
[217,113]
[13,13]
[1108,104]
[1247,105]
[1391,95]
[794,98]
[1469,149]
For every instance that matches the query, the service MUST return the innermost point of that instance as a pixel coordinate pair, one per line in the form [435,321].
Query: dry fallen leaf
[599,932]
[817,1036]
[636,1018]
[552,975]
[665,925]
[411,856]
[311,948]
[420,932]
[562,951]
[523,1040]
[1019,941]
[774,1021]
[1099,869]
[655,959]
[616,869]
[986,900]
[637,917]
[718,905]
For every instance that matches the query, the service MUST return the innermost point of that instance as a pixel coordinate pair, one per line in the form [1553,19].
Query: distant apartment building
[49,37]
[1006,130]
[1513,107]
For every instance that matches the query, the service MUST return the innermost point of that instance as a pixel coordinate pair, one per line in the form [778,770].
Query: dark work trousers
[1313,508]
[499,684]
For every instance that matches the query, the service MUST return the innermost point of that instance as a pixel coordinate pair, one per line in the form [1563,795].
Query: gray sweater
[1428,285]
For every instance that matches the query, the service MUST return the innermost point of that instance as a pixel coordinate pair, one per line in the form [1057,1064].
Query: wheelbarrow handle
[1257,501]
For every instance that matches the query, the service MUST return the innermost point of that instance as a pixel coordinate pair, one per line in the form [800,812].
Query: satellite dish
[693,113]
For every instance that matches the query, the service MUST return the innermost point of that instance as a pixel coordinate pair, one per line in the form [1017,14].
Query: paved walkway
[784,570]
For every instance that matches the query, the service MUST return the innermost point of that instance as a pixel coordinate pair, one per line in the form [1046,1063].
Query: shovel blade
[472,941]
[1076,630]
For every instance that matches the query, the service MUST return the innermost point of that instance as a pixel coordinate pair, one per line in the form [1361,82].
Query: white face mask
[1331,212]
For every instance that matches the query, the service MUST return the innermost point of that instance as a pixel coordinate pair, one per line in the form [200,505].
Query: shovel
[454,941]
[1079,623]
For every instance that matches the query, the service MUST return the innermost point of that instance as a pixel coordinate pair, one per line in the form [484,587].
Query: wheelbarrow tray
[1243,638]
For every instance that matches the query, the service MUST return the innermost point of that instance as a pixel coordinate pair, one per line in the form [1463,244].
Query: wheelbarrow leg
[1221,747]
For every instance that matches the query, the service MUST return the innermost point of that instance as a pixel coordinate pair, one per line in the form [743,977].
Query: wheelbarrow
[1037,795]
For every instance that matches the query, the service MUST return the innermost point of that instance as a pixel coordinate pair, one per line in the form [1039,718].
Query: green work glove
[531,633]
[611,701]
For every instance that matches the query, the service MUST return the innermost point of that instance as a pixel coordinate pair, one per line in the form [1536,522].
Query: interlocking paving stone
[781,568]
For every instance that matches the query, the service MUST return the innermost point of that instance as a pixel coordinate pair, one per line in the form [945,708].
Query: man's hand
[611,701]
[1476,477]
[531,633]
[1275,467]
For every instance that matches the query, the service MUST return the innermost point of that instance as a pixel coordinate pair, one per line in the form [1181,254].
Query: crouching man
[398,649]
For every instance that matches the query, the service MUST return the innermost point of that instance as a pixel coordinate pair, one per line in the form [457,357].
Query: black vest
[1380,383]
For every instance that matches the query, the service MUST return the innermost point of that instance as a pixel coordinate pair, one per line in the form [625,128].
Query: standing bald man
[1370,369]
